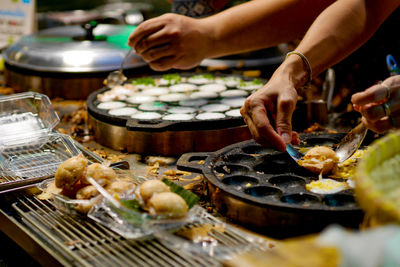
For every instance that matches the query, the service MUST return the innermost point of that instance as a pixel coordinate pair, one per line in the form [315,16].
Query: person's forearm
[341,29]
[261,23]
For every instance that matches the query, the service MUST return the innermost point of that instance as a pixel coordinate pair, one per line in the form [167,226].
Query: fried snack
[50,190]
[87,192]
[168,203]
[150,187]
[86,205]
[121,186]
[319,159]
[102,174]
[71,191]
[70,171]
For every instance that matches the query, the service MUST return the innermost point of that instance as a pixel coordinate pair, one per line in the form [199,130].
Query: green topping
[144,81]
[131,204]
[190,198]
[132,216]
[172,77]
[246,83]
[256,81]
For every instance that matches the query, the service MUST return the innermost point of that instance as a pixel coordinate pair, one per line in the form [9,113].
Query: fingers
[373,112]
[146,28]
[157,53]
[295,138]
[159,38]
[255,115]
[384,124]
[164,63]
[375,94]
[286,106]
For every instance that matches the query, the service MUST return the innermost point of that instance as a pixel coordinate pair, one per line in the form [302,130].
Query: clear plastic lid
[24,118]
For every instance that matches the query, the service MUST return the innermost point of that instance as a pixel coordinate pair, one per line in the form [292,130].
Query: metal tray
[265,189]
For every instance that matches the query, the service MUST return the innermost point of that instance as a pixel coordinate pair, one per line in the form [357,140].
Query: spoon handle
[125,59]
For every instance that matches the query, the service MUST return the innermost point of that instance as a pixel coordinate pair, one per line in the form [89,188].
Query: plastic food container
[28,146]
[133,225]
[24,118]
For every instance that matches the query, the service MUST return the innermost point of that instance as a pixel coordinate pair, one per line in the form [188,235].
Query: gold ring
[394,124]
[386,108]
[387,91]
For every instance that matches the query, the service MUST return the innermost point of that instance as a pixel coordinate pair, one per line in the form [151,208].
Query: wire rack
[82,242]
[85,243]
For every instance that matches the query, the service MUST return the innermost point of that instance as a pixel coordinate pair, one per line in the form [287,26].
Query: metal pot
[69,62]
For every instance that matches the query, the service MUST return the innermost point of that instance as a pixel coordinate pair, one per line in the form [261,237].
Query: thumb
[286,106]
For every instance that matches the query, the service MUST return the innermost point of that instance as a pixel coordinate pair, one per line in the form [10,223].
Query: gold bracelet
[307,63]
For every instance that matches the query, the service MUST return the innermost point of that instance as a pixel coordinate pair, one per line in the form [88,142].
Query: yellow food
[168,203]
[150,187]
[319,159]
[326,186]
[70,171]
[102,174]
[347,168]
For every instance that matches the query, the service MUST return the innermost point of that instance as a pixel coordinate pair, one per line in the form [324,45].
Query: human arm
[175,41]
[337,32]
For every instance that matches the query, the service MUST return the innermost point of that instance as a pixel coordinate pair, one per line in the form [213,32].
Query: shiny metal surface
[67,50]
[351,142]
[66,87]
[167,142]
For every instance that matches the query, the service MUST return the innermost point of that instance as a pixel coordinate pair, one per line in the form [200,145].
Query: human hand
[172,41]
[275,102]
[379,105]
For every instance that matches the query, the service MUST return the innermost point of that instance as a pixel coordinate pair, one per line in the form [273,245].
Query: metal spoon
[351,142]
[117,77]
[344,150]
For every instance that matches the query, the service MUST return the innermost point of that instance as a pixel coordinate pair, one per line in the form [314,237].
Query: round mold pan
[304,200]
[257,150]
[222,168]
[240,182]
[239,159]
[288,183]
[267,196]
[276,163]
[339,200]
[303,172]
[267,193]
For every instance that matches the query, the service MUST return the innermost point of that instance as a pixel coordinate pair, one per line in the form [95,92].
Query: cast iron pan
[264,189]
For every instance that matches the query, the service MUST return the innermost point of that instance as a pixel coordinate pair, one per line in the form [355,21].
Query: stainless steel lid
[74,49]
